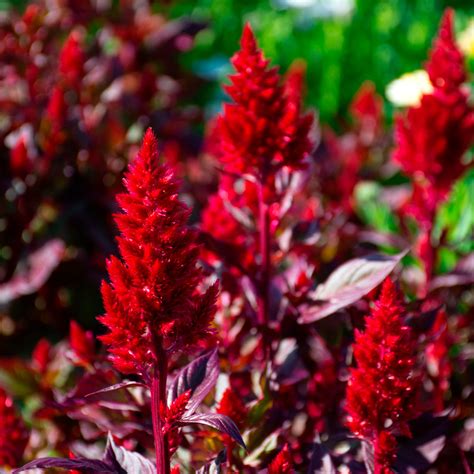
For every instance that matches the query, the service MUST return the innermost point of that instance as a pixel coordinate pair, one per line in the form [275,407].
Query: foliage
[282,295]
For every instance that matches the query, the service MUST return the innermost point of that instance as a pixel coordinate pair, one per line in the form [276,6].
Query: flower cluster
[154,303]
[381,393]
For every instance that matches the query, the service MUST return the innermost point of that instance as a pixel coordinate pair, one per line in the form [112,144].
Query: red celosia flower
[381,390]
[13,433]
[232,406]
[282,463]
[154,302]
[71,59]
[41,355]
[446,66]
[263,128]
[432,137]
[20,163]
[82,343]
[56,109]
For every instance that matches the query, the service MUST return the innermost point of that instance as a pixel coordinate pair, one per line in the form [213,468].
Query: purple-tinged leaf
[368,456]
[117,386]
[78,464]
[321,462]
[462,274]
[383,238]
[348,284]
[422,322]
[128,461]
[33,273]
[200,376]
[418,453]
[217,421]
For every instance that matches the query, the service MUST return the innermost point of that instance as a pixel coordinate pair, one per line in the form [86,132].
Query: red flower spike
[232,406]
[71,59]
[282,463]
[432,137]
[20,163]
[13,433]
[446,66]
[41,355]
[153,301]
[82,342]
[382,389]
[177,408]
[262,129]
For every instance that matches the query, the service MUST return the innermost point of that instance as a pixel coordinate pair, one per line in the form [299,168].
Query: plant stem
[158,397]
[264,244]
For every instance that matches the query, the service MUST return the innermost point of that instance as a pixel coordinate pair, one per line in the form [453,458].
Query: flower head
[445,65]
[381,390]
[71,59]
[263,128]
[432,137]
[154,300]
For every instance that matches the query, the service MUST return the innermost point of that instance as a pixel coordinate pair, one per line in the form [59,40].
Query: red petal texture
[263,127]
[13,433]
[82,342]
[381,392]
[232,406]
[446,66]
[153,296]
[71,59]
[282,463]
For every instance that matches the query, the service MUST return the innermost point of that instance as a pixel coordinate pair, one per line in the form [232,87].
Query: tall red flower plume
[432,137]
[382,389]
[13,433]
[154,301]
[446,63]
[71,59]
[262,129]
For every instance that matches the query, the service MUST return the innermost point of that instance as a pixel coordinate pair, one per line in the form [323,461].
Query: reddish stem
[264,243]
[158,398]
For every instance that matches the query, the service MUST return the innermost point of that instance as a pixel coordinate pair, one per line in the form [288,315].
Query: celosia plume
[153,302]
[432,137]
[13,433]
[262,129]
[232,406]
[446,66]
[381,392]
[71,59]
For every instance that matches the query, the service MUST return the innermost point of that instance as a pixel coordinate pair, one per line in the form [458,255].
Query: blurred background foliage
[343,42]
